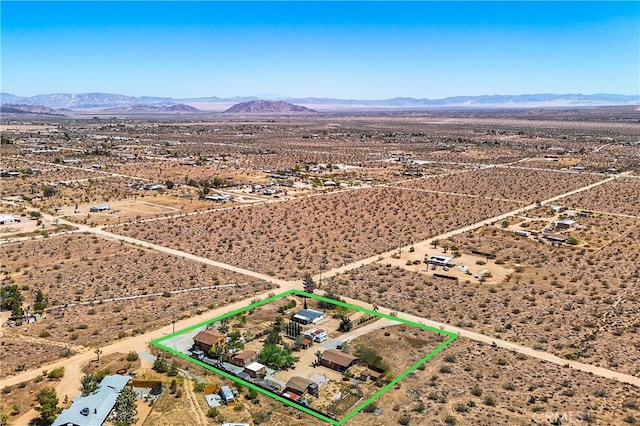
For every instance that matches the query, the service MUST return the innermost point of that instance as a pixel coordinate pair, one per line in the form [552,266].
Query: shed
[255,369]
[300,385]
[337,360]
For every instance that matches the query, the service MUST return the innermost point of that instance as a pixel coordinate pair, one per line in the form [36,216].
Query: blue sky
[363,50]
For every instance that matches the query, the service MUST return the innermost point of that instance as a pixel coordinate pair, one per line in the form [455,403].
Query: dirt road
[68,385]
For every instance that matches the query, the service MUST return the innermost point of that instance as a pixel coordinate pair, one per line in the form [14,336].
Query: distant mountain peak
[267,107]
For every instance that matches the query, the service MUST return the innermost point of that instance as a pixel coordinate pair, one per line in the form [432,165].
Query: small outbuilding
[300,385]
[255,369]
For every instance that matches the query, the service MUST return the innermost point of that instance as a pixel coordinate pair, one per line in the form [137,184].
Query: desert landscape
[516,230]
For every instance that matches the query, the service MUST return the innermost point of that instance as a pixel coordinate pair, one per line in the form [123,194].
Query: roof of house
[556,237]
[254,366]
[298,384]
[566,222]
[208,337]
[244,355]
[337,357]
[100,403]
[310,313]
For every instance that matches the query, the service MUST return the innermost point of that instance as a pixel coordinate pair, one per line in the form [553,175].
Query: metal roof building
[93,410]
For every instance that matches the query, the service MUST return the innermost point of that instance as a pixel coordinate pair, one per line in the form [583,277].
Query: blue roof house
[93,410]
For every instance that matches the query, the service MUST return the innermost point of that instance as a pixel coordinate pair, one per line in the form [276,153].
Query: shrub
[446,369]
[404,420]
[261,417]
[370,408]
[490,401]
[476,391]
[56,373]
[462,408]
[132,356]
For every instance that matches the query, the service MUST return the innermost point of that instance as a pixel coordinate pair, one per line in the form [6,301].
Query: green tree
[275,356]
[49,191]
[345,325]
[88,385]
[160,365]
[169,184]
[172,370]
[48,404]
[235,341]
[307,283]
[124,412]
[41,302]
[11,298]
[90,382]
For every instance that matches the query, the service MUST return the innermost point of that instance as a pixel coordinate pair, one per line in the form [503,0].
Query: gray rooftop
[100,403]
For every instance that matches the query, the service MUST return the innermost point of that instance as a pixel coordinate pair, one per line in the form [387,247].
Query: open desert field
[564,300]
[525,186]
[88,281]
[613,197]
[471,383]
[287,239]
[359,201]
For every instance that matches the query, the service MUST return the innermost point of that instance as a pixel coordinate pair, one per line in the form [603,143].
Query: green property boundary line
[451,337]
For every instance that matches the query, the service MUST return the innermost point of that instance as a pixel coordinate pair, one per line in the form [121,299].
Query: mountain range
[115,103]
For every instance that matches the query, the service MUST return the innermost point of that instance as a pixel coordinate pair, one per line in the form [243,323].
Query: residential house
[338,360]
[308,316]
[93,409]
[439,261]
[556,238]
[244,358]
[207,339]
[563,224]
[99,208]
